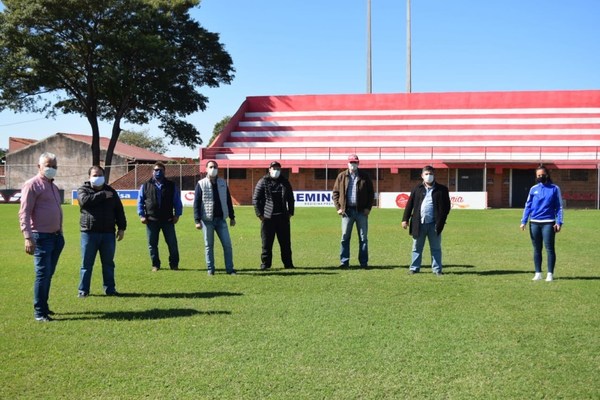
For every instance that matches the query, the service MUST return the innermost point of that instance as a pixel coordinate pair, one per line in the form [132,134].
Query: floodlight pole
[408,49]
[369,74]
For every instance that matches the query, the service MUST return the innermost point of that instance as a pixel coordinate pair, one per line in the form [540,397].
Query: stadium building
[487,142]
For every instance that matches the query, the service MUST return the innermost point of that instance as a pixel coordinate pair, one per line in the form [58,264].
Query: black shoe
[50,312]
[232,272]
[174,268]
[412,272]
[344,266]
[289,267]
[364,266]
[82,295]
[43,318]
[264,267]
[113,293]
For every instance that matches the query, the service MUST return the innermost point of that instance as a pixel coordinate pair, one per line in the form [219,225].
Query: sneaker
[112,293]
[537,276]
[82,295]
[438,273]
[154,269]
[43,318]
[210,272]
[413,271]
[264,267]
[549,277]
[344,266]
[233,272]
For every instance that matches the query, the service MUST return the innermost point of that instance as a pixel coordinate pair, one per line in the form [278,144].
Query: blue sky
[283,47]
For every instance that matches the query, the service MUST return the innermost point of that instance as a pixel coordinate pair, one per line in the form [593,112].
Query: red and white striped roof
[402,130]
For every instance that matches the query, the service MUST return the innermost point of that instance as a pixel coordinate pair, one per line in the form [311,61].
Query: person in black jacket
[427,210]
[273,202]
[101,209]
[159,208]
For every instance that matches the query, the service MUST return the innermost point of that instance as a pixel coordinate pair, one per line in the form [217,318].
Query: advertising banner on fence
[313,198]
[128,197]
[460,200]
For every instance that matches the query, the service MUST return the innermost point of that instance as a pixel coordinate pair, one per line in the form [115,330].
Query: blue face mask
[159,174]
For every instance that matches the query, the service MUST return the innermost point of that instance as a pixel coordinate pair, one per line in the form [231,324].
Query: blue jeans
[153,229]
[362,225]
[48,247]
[209,228]
[91,244]
[543,233]
[435,247]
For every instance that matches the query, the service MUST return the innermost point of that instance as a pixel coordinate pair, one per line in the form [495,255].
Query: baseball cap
[275,164]
[353,158]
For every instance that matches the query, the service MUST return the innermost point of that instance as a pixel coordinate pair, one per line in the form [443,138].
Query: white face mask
[49,173]
[213,172]
[428,178]
[274,173]
[97,181]
[352,167]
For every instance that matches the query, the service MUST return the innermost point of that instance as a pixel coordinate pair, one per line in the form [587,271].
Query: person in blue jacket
[544,211]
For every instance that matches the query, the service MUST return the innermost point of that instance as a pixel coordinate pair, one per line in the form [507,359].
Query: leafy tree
[219,126]
[110,60]
[143,140]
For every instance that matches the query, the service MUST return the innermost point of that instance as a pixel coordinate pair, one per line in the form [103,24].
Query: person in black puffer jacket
[273,202]
[100,210]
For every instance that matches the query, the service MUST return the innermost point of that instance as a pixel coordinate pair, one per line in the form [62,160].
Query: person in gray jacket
[212,207]
[100,210]
[273,202]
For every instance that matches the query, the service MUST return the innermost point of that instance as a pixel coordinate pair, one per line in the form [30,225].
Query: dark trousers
[277,225]
[153,229]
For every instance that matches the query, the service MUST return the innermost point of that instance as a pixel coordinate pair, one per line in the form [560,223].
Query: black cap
[275,164]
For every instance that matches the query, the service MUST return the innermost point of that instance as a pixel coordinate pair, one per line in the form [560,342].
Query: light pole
[408,53]
[369,74]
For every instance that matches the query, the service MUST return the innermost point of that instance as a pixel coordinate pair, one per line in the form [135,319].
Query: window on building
[237,173]
[415,174]
[325,173]
[579,175]
[373,173]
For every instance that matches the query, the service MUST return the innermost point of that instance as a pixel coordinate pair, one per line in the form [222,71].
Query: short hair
[95,167]
[212,161]
[428,168]
[46,156]
[160,165]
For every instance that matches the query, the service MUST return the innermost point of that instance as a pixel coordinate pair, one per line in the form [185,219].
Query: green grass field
[482,331]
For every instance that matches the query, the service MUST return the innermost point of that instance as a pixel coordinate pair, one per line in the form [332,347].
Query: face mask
[159,174]
[428,178]
[49,173]
[213,172]
[352,167]
[542,179]
[97,181]
[274,173]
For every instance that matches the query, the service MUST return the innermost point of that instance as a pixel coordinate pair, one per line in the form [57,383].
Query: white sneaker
[537,276]
[549,277]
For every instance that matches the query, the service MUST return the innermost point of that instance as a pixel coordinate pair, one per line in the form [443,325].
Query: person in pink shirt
[41,218]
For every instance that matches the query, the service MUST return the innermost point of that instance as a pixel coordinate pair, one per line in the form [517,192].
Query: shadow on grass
[192,295]
[155,313]
[489,272]
[578,278]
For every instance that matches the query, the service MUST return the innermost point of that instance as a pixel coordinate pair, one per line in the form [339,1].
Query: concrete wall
[74,159]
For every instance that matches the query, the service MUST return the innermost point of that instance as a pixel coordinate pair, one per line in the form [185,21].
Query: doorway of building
[522,181]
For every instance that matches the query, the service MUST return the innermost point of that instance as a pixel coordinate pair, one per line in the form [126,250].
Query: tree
[143,140]
[110,60]
[219,126]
